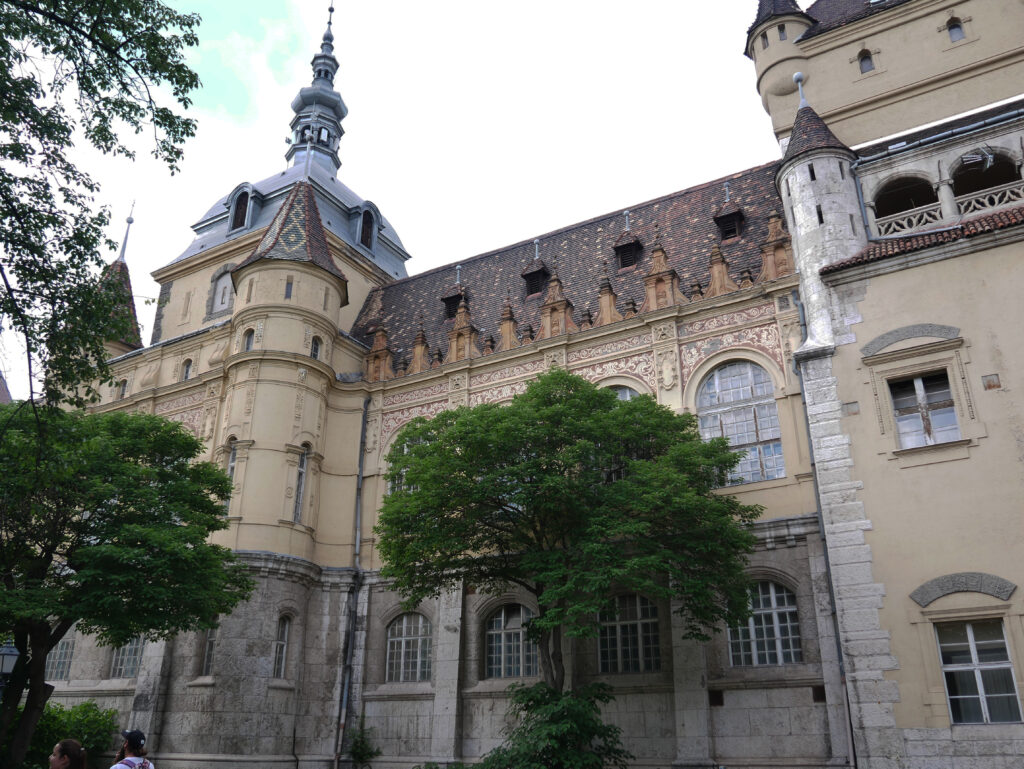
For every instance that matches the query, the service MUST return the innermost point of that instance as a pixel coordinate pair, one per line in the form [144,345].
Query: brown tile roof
[907,244]
[681,222]
[832,14]
[118,271]
[810,133]
[296,234]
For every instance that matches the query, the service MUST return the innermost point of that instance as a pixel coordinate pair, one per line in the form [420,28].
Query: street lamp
[8,658]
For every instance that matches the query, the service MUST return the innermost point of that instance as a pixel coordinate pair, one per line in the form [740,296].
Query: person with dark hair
[68,754]
[133,751]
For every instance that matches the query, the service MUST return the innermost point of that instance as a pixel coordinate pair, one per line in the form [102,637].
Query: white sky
[471,125]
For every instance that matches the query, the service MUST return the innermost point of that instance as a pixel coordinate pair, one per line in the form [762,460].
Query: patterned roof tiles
[907,244]
[832,14]
[810,133]
[767,9]
[682,223]
[118,271]
[296,234]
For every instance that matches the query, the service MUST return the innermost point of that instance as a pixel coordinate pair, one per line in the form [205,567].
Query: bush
[85,722]
[559,730]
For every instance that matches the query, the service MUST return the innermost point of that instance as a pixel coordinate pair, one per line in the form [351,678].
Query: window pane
[961,683]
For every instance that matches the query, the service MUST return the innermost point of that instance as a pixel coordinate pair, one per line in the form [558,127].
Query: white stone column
[944,189]
[445,744]
[692,716]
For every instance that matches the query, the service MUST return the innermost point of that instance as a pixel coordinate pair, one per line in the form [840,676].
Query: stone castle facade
[848,315]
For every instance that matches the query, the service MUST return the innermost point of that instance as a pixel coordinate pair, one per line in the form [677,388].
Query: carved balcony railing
[994,197]
[908,221]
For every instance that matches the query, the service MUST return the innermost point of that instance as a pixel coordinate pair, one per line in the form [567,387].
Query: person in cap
[133,751]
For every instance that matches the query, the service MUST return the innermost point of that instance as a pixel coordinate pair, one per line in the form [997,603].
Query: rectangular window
[126,659]
[284,625]
[924,410]
[58,661]
[810,171]
[764,40]
[979,677]
[821,216]
[208,649]
[288,288]
[782,32]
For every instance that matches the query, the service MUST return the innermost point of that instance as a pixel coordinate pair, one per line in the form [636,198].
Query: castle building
[847,315]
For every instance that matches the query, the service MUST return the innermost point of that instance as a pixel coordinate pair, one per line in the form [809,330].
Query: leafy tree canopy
[108,528]
[573,496]
[71,72]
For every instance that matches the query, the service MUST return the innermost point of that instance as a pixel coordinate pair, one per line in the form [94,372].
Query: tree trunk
[30,669]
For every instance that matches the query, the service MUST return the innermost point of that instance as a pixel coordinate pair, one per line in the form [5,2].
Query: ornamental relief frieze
[191,420]
[727,319]
[640,366]
[509,372]
[423,393]
[609,348]
[395,419]
[496,394]
[182,401]
[764,339]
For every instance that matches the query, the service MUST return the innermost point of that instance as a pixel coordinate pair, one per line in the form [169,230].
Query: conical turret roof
[118,271]
[767,9]
[296,234]
[810,133]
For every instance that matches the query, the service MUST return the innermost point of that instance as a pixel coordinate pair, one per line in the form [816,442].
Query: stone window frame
[965,22]
[301,513]
[127,659]
[423,651]
[388,609]
[963,597]
[60,658]
[211,297]
[650,661]
[875,54]
[282,674]
[949,354]
[486,637]
[774,611]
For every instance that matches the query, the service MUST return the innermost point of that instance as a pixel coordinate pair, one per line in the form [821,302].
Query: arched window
[300,482]
[624,393]
[126,660]
[240,211]
[222,293]
[409,648]
[248,339]
[866,62]
[955,29]
[736,401]
[981,169]
[209,646]
[186,369]
[904,194]
[366,229]
[284,626]
[772,633]
[122,389]
[314,348]
[232,457]
[628,640]
[509,652]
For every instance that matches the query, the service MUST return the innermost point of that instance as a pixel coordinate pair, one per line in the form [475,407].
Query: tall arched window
[904,194]
[624,392]
[122,389]
[240,211]
[772,633]
[366,229]
[284,626]
[509,652]
[314,348]
[736,401]
[232,457]
[186,369]
[955,29]
[209,646]
[866,62]
[248,340]
[300,482]
[628,639]
[409,647]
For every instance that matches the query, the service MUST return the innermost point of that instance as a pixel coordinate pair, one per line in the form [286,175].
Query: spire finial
[798,78]
[124,243]
[328,34]
[458,275]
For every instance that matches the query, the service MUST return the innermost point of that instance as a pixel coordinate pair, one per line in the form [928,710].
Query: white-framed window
[127,658]
[624,392]
[314,348]
[510,653]
[284,626]
[628,638]
[736,401]
[209,647]
[978,674]
[772,633]
[924,410]
[232,457]
[410,642]
[58,661]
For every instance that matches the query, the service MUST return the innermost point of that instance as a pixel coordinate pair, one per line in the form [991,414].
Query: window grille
[772,633]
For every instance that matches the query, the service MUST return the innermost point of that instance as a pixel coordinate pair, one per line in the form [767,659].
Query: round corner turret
[772,47]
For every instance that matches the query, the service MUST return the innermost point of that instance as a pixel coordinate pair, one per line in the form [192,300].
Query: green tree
[108,528]
[71,72]
[571,495]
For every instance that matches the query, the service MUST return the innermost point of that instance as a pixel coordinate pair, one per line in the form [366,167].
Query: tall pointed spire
[124,243]
[117,271]
[319,110]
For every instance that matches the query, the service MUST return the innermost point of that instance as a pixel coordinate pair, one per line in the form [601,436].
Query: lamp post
[8,658]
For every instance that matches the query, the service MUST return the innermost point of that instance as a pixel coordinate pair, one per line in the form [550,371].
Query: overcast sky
[472,125]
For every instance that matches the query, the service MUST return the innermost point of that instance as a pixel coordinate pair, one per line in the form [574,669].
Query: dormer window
[866,62]
[451,305]
[240,211]
[729,220]
[628,249]
[366,230]
[536,277]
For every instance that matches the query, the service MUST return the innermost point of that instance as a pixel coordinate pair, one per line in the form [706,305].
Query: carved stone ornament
[668,373]
[457,382]
[554,359]
[664,331]
[395,419]
[372,434]
[640,366]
